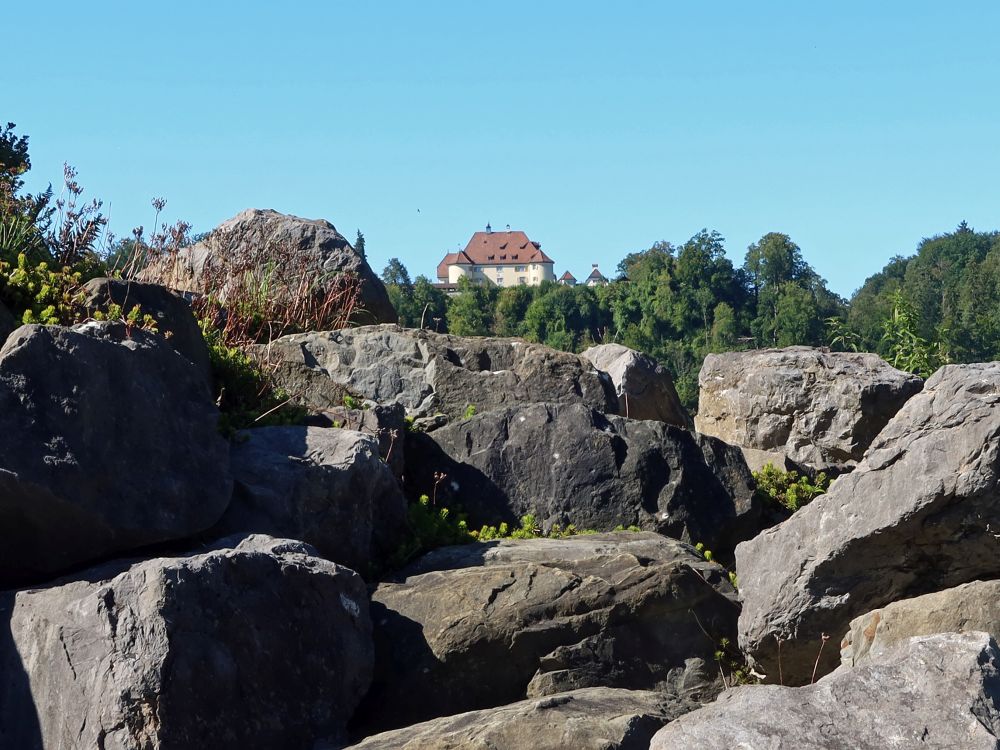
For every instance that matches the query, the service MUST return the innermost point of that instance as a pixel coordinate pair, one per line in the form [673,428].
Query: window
[476,269]
[522,280]
[520,269]
[499,280]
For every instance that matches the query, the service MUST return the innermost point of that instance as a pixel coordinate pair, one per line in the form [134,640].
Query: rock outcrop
[821,409]
[256,237]
[920,513]
[487,624]
[645,389]
[260,645]
[570,464]
[940,691]
[326,487]
[430,372]
[969,607]
[108,442]
[172,313]
[587,719]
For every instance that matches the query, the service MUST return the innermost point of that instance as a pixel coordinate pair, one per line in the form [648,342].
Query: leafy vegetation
[787,488]
[246,396]
[432,527]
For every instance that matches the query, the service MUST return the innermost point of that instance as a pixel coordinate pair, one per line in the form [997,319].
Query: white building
[505,258]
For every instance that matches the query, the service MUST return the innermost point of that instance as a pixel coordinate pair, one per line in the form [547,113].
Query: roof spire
[489,229]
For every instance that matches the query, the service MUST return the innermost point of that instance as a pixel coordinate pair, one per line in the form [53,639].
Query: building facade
[505,258]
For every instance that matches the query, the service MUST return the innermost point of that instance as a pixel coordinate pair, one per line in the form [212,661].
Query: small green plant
[245,395]
[730,659]
[707,554]
[633,528]
[787,488]
[351,402]
[470,412]
[37,294]
[133,319]
[430,528]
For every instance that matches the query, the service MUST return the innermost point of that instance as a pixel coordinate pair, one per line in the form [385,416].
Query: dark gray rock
[327,487]
[940,691]
[969,607]
[486,624]
[588,719]
[387,423]
[569,464]
[645,389]
[430,372]
[259,236]
[822,409]
[108,442]
[173,315]
[7,323]
[920,513]
[261,645]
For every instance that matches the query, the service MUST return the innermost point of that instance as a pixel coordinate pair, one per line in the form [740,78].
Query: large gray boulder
[257,643]
[172,313]
[920,513]
[254,240]
[645,389]
[587,719]
[971,606]
[570,464]
[940,691]
[430,372]
[821,409]
[108,443]
[324,486]
[487,624]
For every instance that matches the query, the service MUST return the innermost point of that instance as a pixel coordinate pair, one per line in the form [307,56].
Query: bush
[787,488]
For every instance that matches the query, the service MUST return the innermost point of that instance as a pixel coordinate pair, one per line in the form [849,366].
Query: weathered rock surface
[429,372]
[7,323]
[940,691]
[263,645]
[920,513]
[587,719]
[108,442]
[567,463]
[173,315]
[386,422]
[822,409]
[969,607]
[326,487]
[487,624]
[261,235]
[645,389]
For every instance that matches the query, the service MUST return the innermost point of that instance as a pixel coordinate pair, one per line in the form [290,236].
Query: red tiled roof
[452,259]
[567,277]
[595,274]
[494,248]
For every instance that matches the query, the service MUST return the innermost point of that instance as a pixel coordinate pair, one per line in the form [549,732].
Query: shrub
[787,488]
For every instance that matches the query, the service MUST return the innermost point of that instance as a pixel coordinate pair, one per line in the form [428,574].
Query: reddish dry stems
[824,638]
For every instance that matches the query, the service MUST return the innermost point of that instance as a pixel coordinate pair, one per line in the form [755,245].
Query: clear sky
[598,128]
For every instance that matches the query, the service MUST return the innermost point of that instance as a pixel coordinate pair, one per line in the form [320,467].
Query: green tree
[359,245]
[469,311]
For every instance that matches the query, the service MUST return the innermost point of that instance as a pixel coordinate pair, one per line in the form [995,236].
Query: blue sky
[598,128]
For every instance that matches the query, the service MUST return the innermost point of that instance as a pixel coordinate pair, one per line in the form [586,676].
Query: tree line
[680,302]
